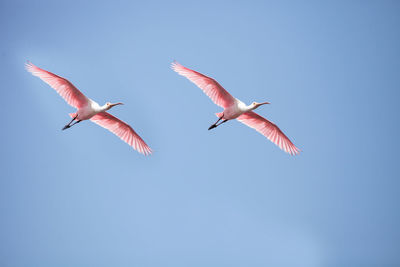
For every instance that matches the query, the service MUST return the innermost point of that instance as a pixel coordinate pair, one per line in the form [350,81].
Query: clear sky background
[226,197]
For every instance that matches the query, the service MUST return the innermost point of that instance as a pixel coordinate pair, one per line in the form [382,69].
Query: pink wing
[67,90]
[209,86]
[269,130]
[122,130]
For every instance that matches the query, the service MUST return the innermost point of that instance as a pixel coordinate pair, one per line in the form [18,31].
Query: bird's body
[88,109]
[236,109]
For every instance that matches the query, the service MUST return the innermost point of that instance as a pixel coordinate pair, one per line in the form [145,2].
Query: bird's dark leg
[215,124]
[69,124]
[221,123]
[76,122]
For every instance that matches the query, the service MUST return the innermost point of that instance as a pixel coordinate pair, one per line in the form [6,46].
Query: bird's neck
[104,108]
[250,108]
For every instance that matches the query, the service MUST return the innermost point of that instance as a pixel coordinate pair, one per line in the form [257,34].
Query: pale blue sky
[226,197]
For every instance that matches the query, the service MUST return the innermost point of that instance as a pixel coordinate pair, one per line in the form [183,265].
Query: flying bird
[236,109]
[87,109]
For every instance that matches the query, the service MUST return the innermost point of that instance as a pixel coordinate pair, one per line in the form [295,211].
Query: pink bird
[236,109]
[89,109]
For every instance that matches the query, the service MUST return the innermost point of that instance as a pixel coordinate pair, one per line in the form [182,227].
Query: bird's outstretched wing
[209,86]
[67,90]
[269,130]
[122,130]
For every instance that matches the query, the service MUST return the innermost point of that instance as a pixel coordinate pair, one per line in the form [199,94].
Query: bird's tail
[219,114]
[72,115]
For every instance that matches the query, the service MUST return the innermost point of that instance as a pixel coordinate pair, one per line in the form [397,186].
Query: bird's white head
[110,105]
[255,105]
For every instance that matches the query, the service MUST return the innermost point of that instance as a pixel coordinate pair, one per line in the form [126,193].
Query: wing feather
[210,87]
[122,130]
[63,87]
[269,130]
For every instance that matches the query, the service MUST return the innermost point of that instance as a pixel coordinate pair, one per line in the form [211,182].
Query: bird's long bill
[260,104]
[115,104]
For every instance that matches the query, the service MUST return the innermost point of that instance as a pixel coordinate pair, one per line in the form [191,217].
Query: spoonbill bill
[236,109]
[87,109]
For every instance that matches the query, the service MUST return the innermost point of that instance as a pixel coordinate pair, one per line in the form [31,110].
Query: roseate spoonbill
[236,109]
[89,109]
